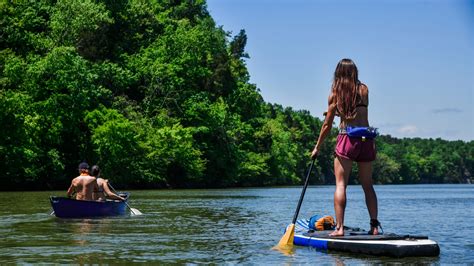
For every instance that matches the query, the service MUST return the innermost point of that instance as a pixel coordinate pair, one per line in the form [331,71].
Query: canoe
[72,208]
[359,241]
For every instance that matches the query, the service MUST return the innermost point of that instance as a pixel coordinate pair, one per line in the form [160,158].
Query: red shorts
[355,149]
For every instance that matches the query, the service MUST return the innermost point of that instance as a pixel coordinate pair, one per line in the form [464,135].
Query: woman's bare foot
[338,232]
[374,231]
[374,227]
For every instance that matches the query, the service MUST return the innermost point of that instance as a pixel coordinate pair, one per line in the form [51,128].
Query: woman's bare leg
[342,170]
[365,178]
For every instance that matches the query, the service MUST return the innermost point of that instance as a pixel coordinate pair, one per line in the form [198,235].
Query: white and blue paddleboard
[356,240]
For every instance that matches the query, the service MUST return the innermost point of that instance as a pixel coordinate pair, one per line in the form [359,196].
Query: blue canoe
[359,241]
[71,208]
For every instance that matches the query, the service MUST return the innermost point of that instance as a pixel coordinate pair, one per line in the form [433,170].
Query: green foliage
[159,96]
[386,170]
[172,150]
[82,24]
[115,142]
[163,156]
[19,153]
[282,153]
[24,26]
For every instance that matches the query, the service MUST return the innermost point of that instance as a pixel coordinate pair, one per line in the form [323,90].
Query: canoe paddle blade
[135,211]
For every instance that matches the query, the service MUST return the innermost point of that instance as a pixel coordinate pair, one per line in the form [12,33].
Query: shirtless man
[84,185]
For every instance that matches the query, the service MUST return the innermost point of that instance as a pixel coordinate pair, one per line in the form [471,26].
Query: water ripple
[231,226]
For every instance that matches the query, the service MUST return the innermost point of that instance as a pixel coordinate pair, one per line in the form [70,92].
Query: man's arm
[71,189]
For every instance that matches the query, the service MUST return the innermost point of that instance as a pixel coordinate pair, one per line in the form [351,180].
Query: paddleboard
[356,240]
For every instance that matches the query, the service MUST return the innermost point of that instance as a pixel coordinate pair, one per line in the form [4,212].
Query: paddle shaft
[129,207]
[303,192]
[115,191]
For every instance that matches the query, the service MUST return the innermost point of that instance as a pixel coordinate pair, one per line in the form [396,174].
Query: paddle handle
[306,182]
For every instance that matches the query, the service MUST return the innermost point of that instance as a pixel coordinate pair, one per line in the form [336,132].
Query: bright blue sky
[417,57]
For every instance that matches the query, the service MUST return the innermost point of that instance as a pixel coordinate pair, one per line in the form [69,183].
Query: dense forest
[159,96]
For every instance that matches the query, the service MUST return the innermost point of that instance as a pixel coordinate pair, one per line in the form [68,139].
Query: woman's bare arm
[109,192]
[327,125]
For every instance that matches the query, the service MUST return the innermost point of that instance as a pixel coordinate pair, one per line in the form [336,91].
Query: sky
[416,57]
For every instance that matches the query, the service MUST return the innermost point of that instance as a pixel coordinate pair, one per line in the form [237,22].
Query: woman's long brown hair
[344,87]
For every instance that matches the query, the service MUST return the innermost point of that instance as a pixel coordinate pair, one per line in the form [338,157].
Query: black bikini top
[359,100]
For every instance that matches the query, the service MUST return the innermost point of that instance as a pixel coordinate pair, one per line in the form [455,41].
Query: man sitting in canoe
[84,185]
[103,191]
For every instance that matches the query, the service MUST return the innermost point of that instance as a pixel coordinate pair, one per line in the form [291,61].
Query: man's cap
[83,165]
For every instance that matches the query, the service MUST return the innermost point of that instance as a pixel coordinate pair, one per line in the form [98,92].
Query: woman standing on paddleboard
[349,99]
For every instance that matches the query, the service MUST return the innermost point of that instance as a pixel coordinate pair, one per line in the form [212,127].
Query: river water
[230,226]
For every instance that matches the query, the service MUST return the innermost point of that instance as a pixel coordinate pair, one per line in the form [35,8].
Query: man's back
[84,185]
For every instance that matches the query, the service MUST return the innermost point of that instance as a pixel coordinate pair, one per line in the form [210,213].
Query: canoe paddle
[286,241]
[132,210]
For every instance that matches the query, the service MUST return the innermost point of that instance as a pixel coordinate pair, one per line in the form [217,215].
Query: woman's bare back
[361,118]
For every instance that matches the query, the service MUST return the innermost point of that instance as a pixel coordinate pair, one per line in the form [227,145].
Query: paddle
[132,210]
[287,240]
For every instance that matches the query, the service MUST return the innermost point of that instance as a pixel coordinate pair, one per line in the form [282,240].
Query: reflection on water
[229,226]
[82,229]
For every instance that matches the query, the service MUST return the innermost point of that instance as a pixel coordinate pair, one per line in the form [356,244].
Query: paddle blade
[135,211]
[286,242]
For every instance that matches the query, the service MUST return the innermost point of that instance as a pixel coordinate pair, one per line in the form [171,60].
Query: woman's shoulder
[363,89]
[332,99]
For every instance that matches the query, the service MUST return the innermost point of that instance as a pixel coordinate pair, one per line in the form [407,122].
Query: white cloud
[408,129]
[447,111]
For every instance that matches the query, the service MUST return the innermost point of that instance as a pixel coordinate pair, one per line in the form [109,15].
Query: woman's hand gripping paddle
[286,242]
